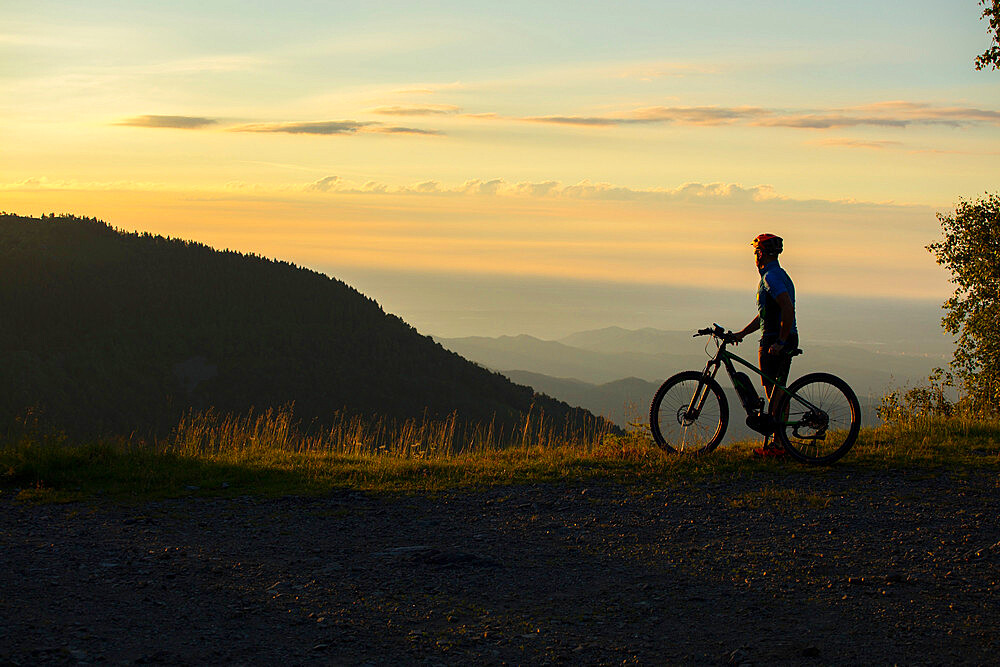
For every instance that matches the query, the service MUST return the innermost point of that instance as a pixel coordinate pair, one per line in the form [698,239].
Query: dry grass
[269,454]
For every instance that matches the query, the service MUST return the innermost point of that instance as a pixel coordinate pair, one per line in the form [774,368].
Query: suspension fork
[701,391]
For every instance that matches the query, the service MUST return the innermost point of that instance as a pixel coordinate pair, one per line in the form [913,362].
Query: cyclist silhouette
[776,321]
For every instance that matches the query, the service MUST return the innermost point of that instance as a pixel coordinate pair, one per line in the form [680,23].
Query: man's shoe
[770,451]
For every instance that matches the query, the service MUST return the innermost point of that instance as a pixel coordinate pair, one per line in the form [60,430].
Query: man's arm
[747,330]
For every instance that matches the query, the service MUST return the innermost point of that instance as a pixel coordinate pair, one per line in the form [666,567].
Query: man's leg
[770,366]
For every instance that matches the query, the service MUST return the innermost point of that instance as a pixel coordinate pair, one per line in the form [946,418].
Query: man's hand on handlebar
[722,334]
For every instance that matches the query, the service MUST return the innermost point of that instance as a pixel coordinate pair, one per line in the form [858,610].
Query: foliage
[991,57]
[970,250]
[898,406]
[106,332]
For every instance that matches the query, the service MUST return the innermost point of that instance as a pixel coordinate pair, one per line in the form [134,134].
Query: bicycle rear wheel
[678,428]
[820,422]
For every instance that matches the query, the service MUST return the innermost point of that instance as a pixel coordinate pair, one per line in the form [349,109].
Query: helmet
[769,244]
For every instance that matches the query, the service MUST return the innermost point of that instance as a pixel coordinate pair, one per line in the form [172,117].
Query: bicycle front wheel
[689,414]
[820,418]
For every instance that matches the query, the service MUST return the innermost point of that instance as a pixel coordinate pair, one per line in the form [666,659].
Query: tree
[991,56]
[970,250]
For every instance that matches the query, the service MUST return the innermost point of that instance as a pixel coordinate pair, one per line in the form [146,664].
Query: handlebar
[729,337]
[718,332]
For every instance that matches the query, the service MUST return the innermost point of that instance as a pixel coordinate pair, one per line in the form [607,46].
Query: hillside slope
[108,331]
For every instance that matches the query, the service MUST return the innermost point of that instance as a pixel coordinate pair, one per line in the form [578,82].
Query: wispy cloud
[594,121]
[690,192]
[417,110]
[173,122]
[682,115]
[921,112]
[856,143]
[826,122]
[405,130]
[323,127]
[700,115]
[313,127]
[884,114]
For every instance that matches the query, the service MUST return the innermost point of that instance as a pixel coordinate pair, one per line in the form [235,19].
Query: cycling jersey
[773,283]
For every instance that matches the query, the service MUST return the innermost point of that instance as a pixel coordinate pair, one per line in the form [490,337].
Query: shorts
[775,365]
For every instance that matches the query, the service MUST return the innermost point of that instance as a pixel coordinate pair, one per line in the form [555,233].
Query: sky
[519,167]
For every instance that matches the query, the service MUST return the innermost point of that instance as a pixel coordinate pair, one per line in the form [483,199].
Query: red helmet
[769,244]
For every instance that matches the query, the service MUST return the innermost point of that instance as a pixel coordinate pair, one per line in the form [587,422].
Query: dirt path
[840,567]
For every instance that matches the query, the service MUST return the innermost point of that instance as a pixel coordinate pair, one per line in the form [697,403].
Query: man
[776,320]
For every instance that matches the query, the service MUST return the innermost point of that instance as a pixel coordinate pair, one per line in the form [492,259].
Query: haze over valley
[614,371]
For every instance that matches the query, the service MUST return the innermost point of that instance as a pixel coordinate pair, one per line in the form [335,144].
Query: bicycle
[819,413]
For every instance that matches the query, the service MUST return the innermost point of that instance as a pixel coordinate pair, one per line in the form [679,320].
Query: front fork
[701,393]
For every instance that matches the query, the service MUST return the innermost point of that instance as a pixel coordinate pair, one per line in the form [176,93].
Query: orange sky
[644,143]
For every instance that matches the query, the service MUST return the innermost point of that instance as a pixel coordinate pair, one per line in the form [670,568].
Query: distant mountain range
[105,331]
[614,371]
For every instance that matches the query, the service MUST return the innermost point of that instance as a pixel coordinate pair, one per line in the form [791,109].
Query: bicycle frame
[726,358]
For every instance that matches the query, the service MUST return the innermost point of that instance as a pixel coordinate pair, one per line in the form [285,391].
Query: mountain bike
[818,415]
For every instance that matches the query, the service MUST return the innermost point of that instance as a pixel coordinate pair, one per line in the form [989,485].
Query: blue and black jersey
[773,282]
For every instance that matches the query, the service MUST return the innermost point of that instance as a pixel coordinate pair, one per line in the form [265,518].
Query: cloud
[855,143]
[405,130]
[427,186]
[919,112]
[682,115]
[332,127]
[883,114]
[821,122]
[314,127]
[323,127]
[173,122]
[595,121]
[421,110]
[699,115]
[478,187]
[324,184]
[689,192]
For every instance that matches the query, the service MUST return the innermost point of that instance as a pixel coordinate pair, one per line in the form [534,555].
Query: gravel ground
[828,568]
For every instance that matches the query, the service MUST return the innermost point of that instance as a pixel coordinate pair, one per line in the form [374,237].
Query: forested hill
[105,331]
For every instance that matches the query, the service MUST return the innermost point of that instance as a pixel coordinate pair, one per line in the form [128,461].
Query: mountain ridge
[108,331]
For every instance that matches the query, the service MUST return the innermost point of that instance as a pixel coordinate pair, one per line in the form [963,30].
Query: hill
[106,331]
[620,401]
[610,354]
[562,360]
[614,371]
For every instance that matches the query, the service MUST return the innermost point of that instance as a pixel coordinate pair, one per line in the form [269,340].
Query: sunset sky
[406,146]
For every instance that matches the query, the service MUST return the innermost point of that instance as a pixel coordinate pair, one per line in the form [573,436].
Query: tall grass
[926,439]
[270,453]
[237,437]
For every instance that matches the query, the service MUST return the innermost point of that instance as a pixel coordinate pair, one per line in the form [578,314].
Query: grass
[269,454]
